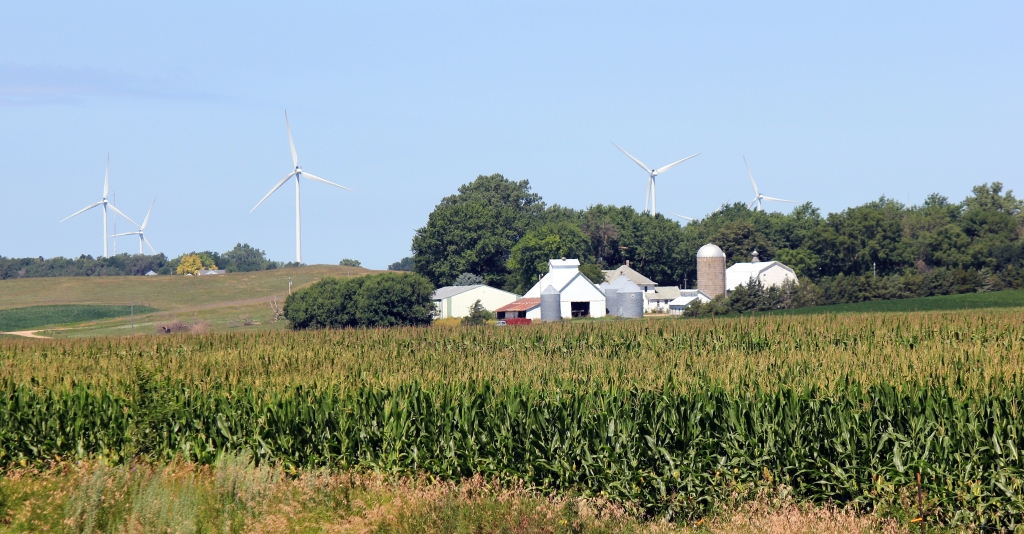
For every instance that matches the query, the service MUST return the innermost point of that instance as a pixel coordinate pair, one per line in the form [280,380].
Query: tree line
[241,258]
[502,231]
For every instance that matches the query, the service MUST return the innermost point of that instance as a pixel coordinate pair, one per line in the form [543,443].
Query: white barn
[580,297]
[454,301]
[771,273]
[685,298]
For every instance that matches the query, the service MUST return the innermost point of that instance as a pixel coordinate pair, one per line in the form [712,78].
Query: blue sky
[835,104]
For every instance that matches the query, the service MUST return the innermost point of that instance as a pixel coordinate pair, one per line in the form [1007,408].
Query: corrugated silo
[711,270]
[611,294]
[630,300]
[550,305]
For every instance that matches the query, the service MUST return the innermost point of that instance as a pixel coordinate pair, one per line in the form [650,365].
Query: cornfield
[672,416]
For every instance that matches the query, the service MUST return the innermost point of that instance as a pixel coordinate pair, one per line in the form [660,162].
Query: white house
[657,300]
[580,297]
[645,283]
[771,273]
[455,301]
[685,298]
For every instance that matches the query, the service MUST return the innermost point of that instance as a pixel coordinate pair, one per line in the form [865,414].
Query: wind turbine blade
[295,157]
[752,182]
[647,199]
[87,208]
[126,233]
[317,178]
[121,213]
[670,165]
[752,202]
[681,216]
[106,178]
[153,250]
[638,162]
[146,221]
[777,199]
[276,187]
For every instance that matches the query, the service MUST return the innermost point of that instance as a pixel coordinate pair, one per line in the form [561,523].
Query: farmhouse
[579,296]
[771,273]
[454,301]
[685,299]
[645,283]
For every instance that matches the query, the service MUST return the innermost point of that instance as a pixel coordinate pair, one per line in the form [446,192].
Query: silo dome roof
[710,251]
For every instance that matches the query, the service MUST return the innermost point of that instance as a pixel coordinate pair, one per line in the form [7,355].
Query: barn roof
[520,305]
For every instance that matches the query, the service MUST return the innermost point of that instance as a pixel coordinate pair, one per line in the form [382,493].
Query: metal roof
[710,251]
[665,293]
[628,271]
[450,291]
[520,305]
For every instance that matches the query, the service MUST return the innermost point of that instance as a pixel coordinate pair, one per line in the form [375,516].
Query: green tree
[801,260]
[327,303]
[468,279]
[244,258]
[475,230]
[347,262]
[404,264]
[478,315]
[529,257]
[394,299]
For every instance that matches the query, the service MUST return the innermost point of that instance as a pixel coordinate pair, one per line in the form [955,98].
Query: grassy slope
[999,299]
[223,300]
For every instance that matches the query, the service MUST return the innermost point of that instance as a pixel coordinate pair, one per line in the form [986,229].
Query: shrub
[387,299]
[468,279]
[348,262]
[478,315]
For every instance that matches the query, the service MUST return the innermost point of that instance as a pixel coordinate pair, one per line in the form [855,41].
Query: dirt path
[26,333]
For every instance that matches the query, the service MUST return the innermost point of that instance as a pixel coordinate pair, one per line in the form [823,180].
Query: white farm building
[579,296]
[771,273]
[455,301]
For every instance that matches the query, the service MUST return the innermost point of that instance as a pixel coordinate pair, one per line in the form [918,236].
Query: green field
[15,319]
[968,301]
[222,302]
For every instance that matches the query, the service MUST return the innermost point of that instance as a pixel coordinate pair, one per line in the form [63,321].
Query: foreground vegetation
[234,495]
[669,418]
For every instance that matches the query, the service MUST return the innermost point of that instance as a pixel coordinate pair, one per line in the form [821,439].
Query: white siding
[458,305]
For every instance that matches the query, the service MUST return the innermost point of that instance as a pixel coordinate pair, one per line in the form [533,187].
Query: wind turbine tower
[652,195]
[298,173]
[106,204]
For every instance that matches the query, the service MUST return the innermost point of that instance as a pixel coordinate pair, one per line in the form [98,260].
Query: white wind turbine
[141,231]
[105,204]
[651,197]
[758,197]
[298,173]
[678,216]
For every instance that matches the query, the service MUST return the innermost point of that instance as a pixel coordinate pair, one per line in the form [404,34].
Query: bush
[387,299]
[348,262]
[478,315]
[468,279]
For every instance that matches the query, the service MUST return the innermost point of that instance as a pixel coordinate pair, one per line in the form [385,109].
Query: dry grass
[236,496]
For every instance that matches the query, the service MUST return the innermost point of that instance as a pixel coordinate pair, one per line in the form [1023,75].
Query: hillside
[222,301]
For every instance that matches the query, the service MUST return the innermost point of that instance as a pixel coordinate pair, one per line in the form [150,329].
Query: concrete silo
[630,299]
[550,305]
[711,270]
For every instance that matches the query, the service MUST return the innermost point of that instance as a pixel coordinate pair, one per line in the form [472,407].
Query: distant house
[579,296]
[685,299]
[657,300]
[645,283]
[207,272]
[771,273]
[454,301]
[525,308]
[150,273]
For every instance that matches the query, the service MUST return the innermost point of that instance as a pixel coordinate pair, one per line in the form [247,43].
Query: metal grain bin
[550,305]
[630,300]
[611,294]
